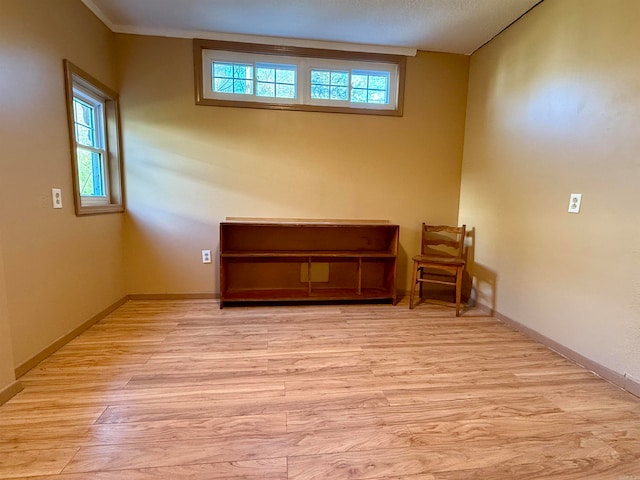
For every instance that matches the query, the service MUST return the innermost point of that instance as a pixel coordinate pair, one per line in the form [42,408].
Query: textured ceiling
[454,26]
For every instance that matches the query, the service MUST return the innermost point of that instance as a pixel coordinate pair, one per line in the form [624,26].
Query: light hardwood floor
[183,390]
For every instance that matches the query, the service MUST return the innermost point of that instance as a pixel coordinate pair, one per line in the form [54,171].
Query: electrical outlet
[56,197]
[574,202]
[206,256]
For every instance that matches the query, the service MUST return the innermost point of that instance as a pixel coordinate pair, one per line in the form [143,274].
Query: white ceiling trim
[98,13]
[234,37]
[288,42]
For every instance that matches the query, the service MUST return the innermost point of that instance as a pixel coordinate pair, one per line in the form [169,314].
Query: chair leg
[413,285]
[458,290]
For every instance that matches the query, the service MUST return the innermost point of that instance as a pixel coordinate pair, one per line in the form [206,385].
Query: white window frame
[305,60]
[98,104]
[351,66]
[209,56]
[81,85]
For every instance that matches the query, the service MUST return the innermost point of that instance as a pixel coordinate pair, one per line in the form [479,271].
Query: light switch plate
[574,202]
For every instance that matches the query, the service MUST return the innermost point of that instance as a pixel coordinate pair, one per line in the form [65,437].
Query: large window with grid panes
[250,75]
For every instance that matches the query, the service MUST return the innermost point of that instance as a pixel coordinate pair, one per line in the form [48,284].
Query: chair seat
[441,259]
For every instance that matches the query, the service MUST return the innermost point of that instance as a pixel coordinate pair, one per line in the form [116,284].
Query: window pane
[359,95]
[340,78]
[276,80]
[265,74]
[242,71]
[376,96]
[232,78]
[266,89]
[90,173]
[223,70]
[243,86]
[330,85]
[320,76]
[83,113]
[84,120]
[84,135]
[358,81]
[370,87]
[285,91]
[339,93]
[320,92]
[224,85]
[286,76]
[378,82]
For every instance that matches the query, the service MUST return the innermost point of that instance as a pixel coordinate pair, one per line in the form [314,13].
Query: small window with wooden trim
[261,76]
[94,134]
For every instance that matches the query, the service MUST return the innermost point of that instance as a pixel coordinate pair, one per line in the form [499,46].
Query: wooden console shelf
[280,261]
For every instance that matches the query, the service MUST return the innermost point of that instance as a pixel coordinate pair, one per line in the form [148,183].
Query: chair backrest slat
[443,240]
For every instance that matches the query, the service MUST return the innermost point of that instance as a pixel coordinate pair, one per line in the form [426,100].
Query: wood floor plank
[622,437]
[390,383]
[184,410]
[420,415]
[552,430]
[376,464]
[370,464]
[607,468]
[14,413]
[421,394]
[263,469]
[180,389]
[231,449]
[34,462]
[44,437]
[317,362]
[215,392]
[224,377]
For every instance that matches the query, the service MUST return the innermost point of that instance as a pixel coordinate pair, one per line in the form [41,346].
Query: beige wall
[554,109]
[59,269]
[188,167]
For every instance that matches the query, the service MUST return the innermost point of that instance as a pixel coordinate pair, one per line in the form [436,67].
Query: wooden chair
[441,259]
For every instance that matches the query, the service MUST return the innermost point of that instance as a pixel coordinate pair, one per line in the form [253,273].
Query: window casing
[260,76]
[94,135]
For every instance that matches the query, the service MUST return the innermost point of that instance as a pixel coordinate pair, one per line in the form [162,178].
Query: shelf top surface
[304,221]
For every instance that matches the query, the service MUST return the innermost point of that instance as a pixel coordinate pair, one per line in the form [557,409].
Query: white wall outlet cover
[574,202]
[206,256]
[56,197]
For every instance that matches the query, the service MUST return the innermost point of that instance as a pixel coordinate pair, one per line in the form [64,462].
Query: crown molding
[99,13]
[236,37]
